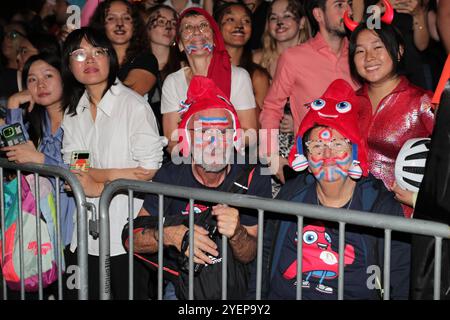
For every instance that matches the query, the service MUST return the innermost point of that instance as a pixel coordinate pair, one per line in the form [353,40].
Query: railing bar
[131,244]
[21,240]
[437,268]
[224,266]
[2,211]
[259,254]
[299,257]
[160,245]
[341,260]
[387,264]
[38,235]
[191,249]
[58,239]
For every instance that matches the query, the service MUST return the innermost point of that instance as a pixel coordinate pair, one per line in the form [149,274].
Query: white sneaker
[324,289]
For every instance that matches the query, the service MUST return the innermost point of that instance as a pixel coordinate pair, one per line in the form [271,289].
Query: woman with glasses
[393,109]
[13,33]
[123,25]
[161,22]
[334,151]
[200,39]
[116,126]
[235,23]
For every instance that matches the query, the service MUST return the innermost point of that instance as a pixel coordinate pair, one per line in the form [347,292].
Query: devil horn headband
[387,17]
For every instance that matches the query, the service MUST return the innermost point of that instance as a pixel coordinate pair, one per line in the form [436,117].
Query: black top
[146,61]
[413,62]
[8,82]
[258,23]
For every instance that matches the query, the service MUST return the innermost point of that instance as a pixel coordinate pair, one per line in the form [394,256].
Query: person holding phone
[117,127]
[39,110]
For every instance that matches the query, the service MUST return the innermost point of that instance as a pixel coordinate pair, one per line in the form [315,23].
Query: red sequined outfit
[403,114]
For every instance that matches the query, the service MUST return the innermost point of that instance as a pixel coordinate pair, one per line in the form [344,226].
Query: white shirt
[124,135]
[175,88]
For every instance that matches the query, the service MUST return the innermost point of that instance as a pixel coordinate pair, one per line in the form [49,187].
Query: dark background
[7,7]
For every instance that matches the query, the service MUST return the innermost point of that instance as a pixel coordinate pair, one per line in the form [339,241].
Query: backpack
[11,263]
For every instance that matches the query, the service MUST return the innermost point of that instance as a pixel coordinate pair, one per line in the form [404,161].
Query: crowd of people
[326,91]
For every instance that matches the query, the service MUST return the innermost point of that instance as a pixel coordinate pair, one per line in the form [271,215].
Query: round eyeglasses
[81,54]
[162,22]
[188,30]
[336,146]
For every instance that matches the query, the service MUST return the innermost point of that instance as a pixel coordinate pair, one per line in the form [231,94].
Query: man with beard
[305,71]
[208,130]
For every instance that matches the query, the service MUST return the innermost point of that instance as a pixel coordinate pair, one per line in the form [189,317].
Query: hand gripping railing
[342,216]
[80,201]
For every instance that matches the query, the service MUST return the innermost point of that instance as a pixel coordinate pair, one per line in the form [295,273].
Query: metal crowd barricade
[342,216]
[80,201]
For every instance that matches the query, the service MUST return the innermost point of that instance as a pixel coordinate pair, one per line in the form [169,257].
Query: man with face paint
[329,144]
[208,132]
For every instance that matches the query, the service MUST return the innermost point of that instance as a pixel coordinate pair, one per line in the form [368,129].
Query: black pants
[143,280]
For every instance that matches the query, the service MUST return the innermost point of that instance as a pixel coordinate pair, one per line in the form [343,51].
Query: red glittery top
[403,114]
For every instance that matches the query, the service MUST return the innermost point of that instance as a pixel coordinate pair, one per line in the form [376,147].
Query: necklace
[348,206]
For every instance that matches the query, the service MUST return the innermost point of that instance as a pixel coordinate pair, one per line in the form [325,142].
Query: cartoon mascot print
[319,259]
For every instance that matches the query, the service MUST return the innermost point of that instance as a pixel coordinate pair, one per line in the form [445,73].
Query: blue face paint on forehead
[213,121]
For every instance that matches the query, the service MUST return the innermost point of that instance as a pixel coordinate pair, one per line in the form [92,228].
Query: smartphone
[12,135]
[80,161]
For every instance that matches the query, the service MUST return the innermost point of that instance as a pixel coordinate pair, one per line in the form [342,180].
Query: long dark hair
[73,90]
[37,118]
[44,42]
[138,42]
[392,40]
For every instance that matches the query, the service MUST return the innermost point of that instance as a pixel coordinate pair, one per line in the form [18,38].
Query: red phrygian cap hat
[337,109]
[203,94]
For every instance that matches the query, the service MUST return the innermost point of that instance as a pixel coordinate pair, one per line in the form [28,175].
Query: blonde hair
[269,49]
